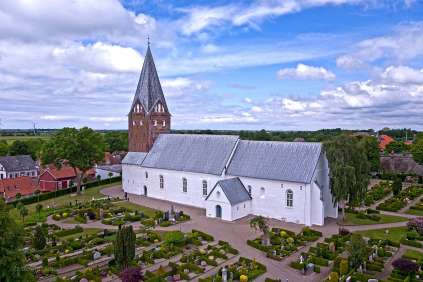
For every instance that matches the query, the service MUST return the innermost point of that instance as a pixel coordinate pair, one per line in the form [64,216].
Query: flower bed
[284,242]
[249,269]
[398,202]
[377,192]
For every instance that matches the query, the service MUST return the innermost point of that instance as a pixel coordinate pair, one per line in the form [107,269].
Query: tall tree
[358,250]
[4,148]
[397,185]
[79,148]
[116,141]
[348,171]
[12,259]
[19,147]
[417,151]
[371,147]
[124,246]
[39,240]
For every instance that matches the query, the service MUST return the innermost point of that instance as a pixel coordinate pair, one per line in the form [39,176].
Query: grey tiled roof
[284,161]
[149,90]
[193,153]
[18,163]
[134,158]
[234,190]
[112,168]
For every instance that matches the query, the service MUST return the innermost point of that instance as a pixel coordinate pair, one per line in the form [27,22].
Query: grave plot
[408,267]
[243,270]
[401,200]
[281,243]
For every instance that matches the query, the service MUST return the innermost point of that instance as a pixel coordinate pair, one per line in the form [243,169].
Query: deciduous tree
[260,223]
[358,250]
[12,259]
[79,148]
[417,151]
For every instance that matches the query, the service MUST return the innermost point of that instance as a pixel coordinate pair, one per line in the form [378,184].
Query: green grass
[147,211]
[395,233]
[418,256]
[87,231]
[415,212]
[351,219]
[86,196]
[11,139]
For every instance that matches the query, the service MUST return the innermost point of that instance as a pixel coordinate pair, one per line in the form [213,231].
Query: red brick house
[53,179]
[23,185]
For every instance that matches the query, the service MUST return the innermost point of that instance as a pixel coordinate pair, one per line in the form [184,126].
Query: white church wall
[322,177]
[132,181]
[241,210]
[269,199]
[218,198]
[317,209]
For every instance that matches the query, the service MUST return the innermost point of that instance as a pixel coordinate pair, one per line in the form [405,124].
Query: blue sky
[277,64]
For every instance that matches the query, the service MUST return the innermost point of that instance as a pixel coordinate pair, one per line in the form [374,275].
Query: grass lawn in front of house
[85,196]
[132,206]
[395,234]
[352,219]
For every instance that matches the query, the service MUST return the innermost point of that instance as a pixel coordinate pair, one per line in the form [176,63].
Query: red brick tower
[149,115]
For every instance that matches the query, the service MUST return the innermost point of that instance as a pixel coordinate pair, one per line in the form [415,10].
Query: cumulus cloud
[348,62]
[306,72]
[403,75]
[182,86]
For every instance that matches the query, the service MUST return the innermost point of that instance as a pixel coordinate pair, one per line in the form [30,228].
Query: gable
[17,163]
[233,189]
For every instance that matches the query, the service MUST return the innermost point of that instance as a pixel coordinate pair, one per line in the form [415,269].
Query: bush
[66,232]
[405,265]
[416,224]
[174,237]
[333,277]
[316,269]
[343,231]
[372,211]
[131,274]
[165,223]
[416,244]
[412,235]
[343,267]
[319,261]
[297,265]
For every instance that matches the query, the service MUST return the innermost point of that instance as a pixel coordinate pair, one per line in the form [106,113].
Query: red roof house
[53,179]
[23,185]
[384,140]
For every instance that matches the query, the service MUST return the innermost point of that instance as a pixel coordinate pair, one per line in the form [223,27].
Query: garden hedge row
[50,195]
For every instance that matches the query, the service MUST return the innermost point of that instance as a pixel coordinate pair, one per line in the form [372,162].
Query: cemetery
[280,243]
[395,203]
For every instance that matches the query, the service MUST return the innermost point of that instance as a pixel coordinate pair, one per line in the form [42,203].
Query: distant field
[10,139]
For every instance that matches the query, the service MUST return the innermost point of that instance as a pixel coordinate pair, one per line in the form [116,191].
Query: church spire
[149,90]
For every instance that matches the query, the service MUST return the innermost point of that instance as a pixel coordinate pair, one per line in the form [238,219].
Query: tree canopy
[12,259]
[116,141]
[79,148]
[349,171]
[417,151]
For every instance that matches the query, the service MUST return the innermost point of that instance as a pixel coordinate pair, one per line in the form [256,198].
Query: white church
[228,177]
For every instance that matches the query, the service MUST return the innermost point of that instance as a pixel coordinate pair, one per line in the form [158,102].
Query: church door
[218,211]
[145,190]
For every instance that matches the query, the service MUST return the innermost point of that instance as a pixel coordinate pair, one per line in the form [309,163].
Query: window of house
[161,182]
[204,187]
[155,122]
[289,198]
[250,190]
[146,174]
[184,185]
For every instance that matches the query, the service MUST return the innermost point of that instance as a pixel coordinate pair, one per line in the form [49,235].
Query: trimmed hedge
[411,243]
[62,192]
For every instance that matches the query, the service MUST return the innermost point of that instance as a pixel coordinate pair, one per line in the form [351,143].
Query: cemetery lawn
[418,256]
[395,233]
[415,212]
[352,219]
[85,196]
[87,231]
[147,211]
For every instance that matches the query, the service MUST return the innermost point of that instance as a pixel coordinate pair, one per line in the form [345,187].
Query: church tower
[149,115]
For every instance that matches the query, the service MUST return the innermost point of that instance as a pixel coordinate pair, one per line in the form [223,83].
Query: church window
[250,189]
[134,123]
[146,174]
[289,198]
[204,187]
[164,123]
[155,122]
[161,181]
[184,185]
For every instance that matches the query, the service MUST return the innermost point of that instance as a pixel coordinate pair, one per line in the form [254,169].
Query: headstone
[96,255]
[348,279]
[372,280]
[274,252]
[360,269]
[224,274]
[203,263]
[301,259]
[169,279]
[231,276]
[186,270]
[310,267]
[371,257]
[83,280]
[332,247]
[177,277]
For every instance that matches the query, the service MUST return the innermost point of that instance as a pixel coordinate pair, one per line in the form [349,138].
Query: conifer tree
[39,240]
[124,246]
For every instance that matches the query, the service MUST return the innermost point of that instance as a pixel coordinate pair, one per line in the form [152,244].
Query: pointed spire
[149,90]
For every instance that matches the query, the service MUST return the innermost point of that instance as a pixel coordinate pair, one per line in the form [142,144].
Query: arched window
[289,198]
[155,122]
[164,123]
[184,185]
[250,190]
[161,181]
[146,174]
[204,187]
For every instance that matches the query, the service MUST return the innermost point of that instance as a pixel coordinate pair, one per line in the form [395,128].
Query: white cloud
[210,48]
[292,105]
[403,75]
[256,109]
[182,86]
[306,72]
[348,62]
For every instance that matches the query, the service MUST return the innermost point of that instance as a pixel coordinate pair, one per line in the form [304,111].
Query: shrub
[297,265]
[131,274]
[412,235]
[66,232]
[165,223]
[411,243]
[333,277]
[57,216]
[39,240]
[372,211]
[319,261]
[174,237]
[405,265]
[91,215]
[317,269]
[416,224]
[343,267]
[344,232]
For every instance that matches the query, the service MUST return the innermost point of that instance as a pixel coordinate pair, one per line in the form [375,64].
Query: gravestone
[96,255]
[224,274]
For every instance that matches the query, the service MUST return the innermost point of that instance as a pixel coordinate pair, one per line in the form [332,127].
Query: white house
[16,166]
[228,177]
[108,171]
[232,178]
